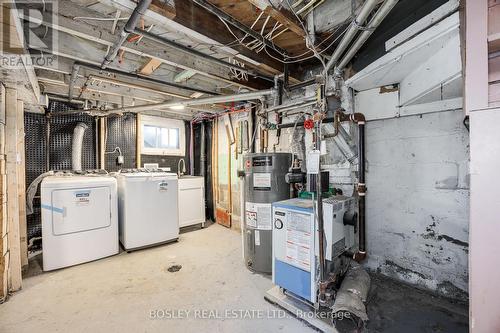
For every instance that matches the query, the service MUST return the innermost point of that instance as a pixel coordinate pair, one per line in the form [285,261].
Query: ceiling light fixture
[177,107]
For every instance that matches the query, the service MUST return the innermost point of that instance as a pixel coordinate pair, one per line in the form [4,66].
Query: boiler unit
[295,243]
[264,184]
[79,218]
[148,207]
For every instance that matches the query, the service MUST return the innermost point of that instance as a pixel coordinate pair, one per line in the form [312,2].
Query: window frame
[163,123]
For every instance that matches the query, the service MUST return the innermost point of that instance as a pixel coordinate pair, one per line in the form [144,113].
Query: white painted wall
[418,200]
[418,190]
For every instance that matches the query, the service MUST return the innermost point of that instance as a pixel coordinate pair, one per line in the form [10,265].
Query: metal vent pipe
[374,23]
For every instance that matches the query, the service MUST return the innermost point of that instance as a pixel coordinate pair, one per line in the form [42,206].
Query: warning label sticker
[258,216]
[262,181]
[299,240]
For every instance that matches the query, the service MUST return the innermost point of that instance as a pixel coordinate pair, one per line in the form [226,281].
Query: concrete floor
[119,293]
[394,307]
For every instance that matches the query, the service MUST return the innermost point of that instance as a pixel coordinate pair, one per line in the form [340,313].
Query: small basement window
[162,136]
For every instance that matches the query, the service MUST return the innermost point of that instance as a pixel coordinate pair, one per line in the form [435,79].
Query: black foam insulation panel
[121,133]
[61,128]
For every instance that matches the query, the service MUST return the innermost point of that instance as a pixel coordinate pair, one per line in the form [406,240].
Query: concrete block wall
[418,200]
[418,197]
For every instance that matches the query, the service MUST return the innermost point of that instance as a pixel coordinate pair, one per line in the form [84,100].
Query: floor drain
[174,268]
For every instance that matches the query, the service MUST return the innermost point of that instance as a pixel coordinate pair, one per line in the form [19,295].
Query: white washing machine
[79,219]
[147,205]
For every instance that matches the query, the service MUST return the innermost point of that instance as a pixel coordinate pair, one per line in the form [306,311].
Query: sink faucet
[180,171]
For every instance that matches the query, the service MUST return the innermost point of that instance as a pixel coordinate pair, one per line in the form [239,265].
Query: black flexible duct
[361,187]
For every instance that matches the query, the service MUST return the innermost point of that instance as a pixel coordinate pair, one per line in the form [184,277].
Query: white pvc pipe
[77,146]
[351,33]
[374,23]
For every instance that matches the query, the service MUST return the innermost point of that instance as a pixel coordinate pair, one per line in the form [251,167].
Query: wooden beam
[4,275]
[12,190]
[199,20]
[4,255]
[201,26]
[150,66]
[285,19]
[69,29]
[21,171]
[163,8]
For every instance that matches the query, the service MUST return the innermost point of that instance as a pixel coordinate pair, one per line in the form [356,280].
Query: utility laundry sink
[191,200]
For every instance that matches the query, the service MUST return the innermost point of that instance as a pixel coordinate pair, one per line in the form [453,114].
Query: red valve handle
[308,124]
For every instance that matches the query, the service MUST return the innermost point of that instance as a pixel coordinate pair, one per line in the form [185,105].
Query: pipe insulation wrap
[353,292]
[77,146]
[298,145]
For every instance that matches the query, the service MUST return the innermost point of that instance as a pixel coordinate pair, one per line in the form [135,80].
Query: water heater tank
[264,184]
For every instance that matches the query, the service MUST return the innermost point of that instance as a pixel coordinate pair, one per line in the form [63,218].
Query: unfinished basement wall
[418,200]
[232,144]
[418,196]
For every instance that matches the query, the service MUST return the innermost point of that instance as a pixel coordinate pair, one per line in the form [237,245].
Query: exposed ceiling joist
[101,84]
[163,8]
[147,49]
[285,18]
[160,79]
[183,76]
[203,27]
[21,74]
[92,94]
[151,83]
[235,23]
[150,66]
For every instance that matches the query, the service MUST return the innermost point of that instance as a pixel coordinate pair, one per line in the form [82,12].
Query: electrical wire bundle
[313,52]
